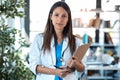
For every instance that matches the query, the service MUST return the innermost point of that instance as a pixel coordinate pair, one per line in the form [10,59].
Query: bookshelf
[103,28]
[105,38]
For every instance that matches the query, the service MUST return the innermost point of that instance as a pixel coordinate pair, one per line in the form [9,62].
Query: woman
[51,51]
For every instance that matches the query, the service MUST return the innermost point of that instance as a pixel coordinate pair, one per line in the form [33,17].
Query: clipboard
[80,52]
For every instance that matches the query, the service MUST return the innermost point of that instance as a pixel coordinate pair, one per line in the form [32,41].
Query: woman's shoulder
[78,40]
[39,35]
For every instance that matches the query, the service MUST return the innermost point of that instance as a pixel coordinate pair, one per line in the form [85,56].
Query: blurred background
[96,22]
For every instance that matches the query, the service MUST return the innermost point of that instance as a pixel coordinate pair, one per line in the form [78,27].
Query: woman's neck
[59,38]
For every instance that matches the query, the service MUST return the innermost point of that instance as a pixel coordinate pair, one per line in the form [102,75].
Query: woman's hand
[75,63]
[62,72]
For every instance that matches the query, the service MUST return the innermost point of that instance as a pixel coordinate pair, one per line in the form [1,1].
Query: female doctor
[51,51]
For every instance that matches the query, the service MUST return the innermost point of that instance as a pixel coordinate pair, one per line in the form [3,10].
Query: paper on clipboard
[80,52]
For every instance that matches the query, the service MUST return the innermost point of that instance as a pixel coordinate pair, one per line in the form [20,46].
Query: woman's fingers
[63,72]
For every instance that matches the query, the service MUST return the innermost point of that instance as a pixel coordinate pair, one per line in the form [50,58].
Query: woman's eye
[64,16]
[56,15]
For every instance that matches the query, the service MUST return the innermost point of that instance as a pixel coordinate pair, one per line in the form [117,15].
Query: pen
[56,66]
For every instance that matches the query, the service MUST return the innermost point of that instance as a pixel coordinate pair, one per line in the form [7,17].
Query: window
[38,15]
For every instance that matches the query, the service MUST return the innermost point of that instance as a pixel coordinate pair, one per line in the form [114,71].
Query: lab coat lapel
[53,51]
[65,44]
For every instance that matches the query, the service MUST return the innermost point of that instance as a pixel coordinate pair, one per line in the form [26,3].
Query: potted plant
[12,67]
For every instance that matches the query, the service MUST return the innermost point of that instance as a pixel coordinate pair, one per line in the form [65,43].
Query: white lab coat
[37,57]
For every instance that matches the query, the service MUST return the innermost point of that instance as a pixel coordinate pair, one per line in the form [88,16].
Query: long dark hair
[67,32]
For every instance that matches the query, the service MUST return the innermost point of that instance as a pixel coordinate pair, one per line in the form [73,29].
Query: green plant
[12,67]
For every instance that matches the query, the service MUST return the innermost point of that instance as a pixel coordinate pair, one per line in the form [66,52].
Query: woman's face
[59,18]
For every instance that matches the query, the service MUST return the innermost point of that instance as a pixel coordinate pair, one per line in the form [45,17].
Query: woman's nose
[60,18]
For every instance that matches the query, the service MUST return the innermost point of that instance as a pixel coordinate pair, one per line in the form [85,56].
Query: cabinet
[105,37]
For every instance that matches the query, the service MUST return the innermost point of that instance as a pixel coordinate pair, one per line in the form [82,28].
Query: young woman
[51,51]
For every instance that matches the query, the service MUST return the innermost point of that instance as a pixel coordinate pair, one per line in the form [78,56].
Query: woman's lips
[59,23]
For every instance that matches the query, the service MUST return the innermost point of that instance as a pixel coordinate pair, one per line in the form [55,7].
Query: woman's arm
[74,63]
[46,70]
[79,66]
